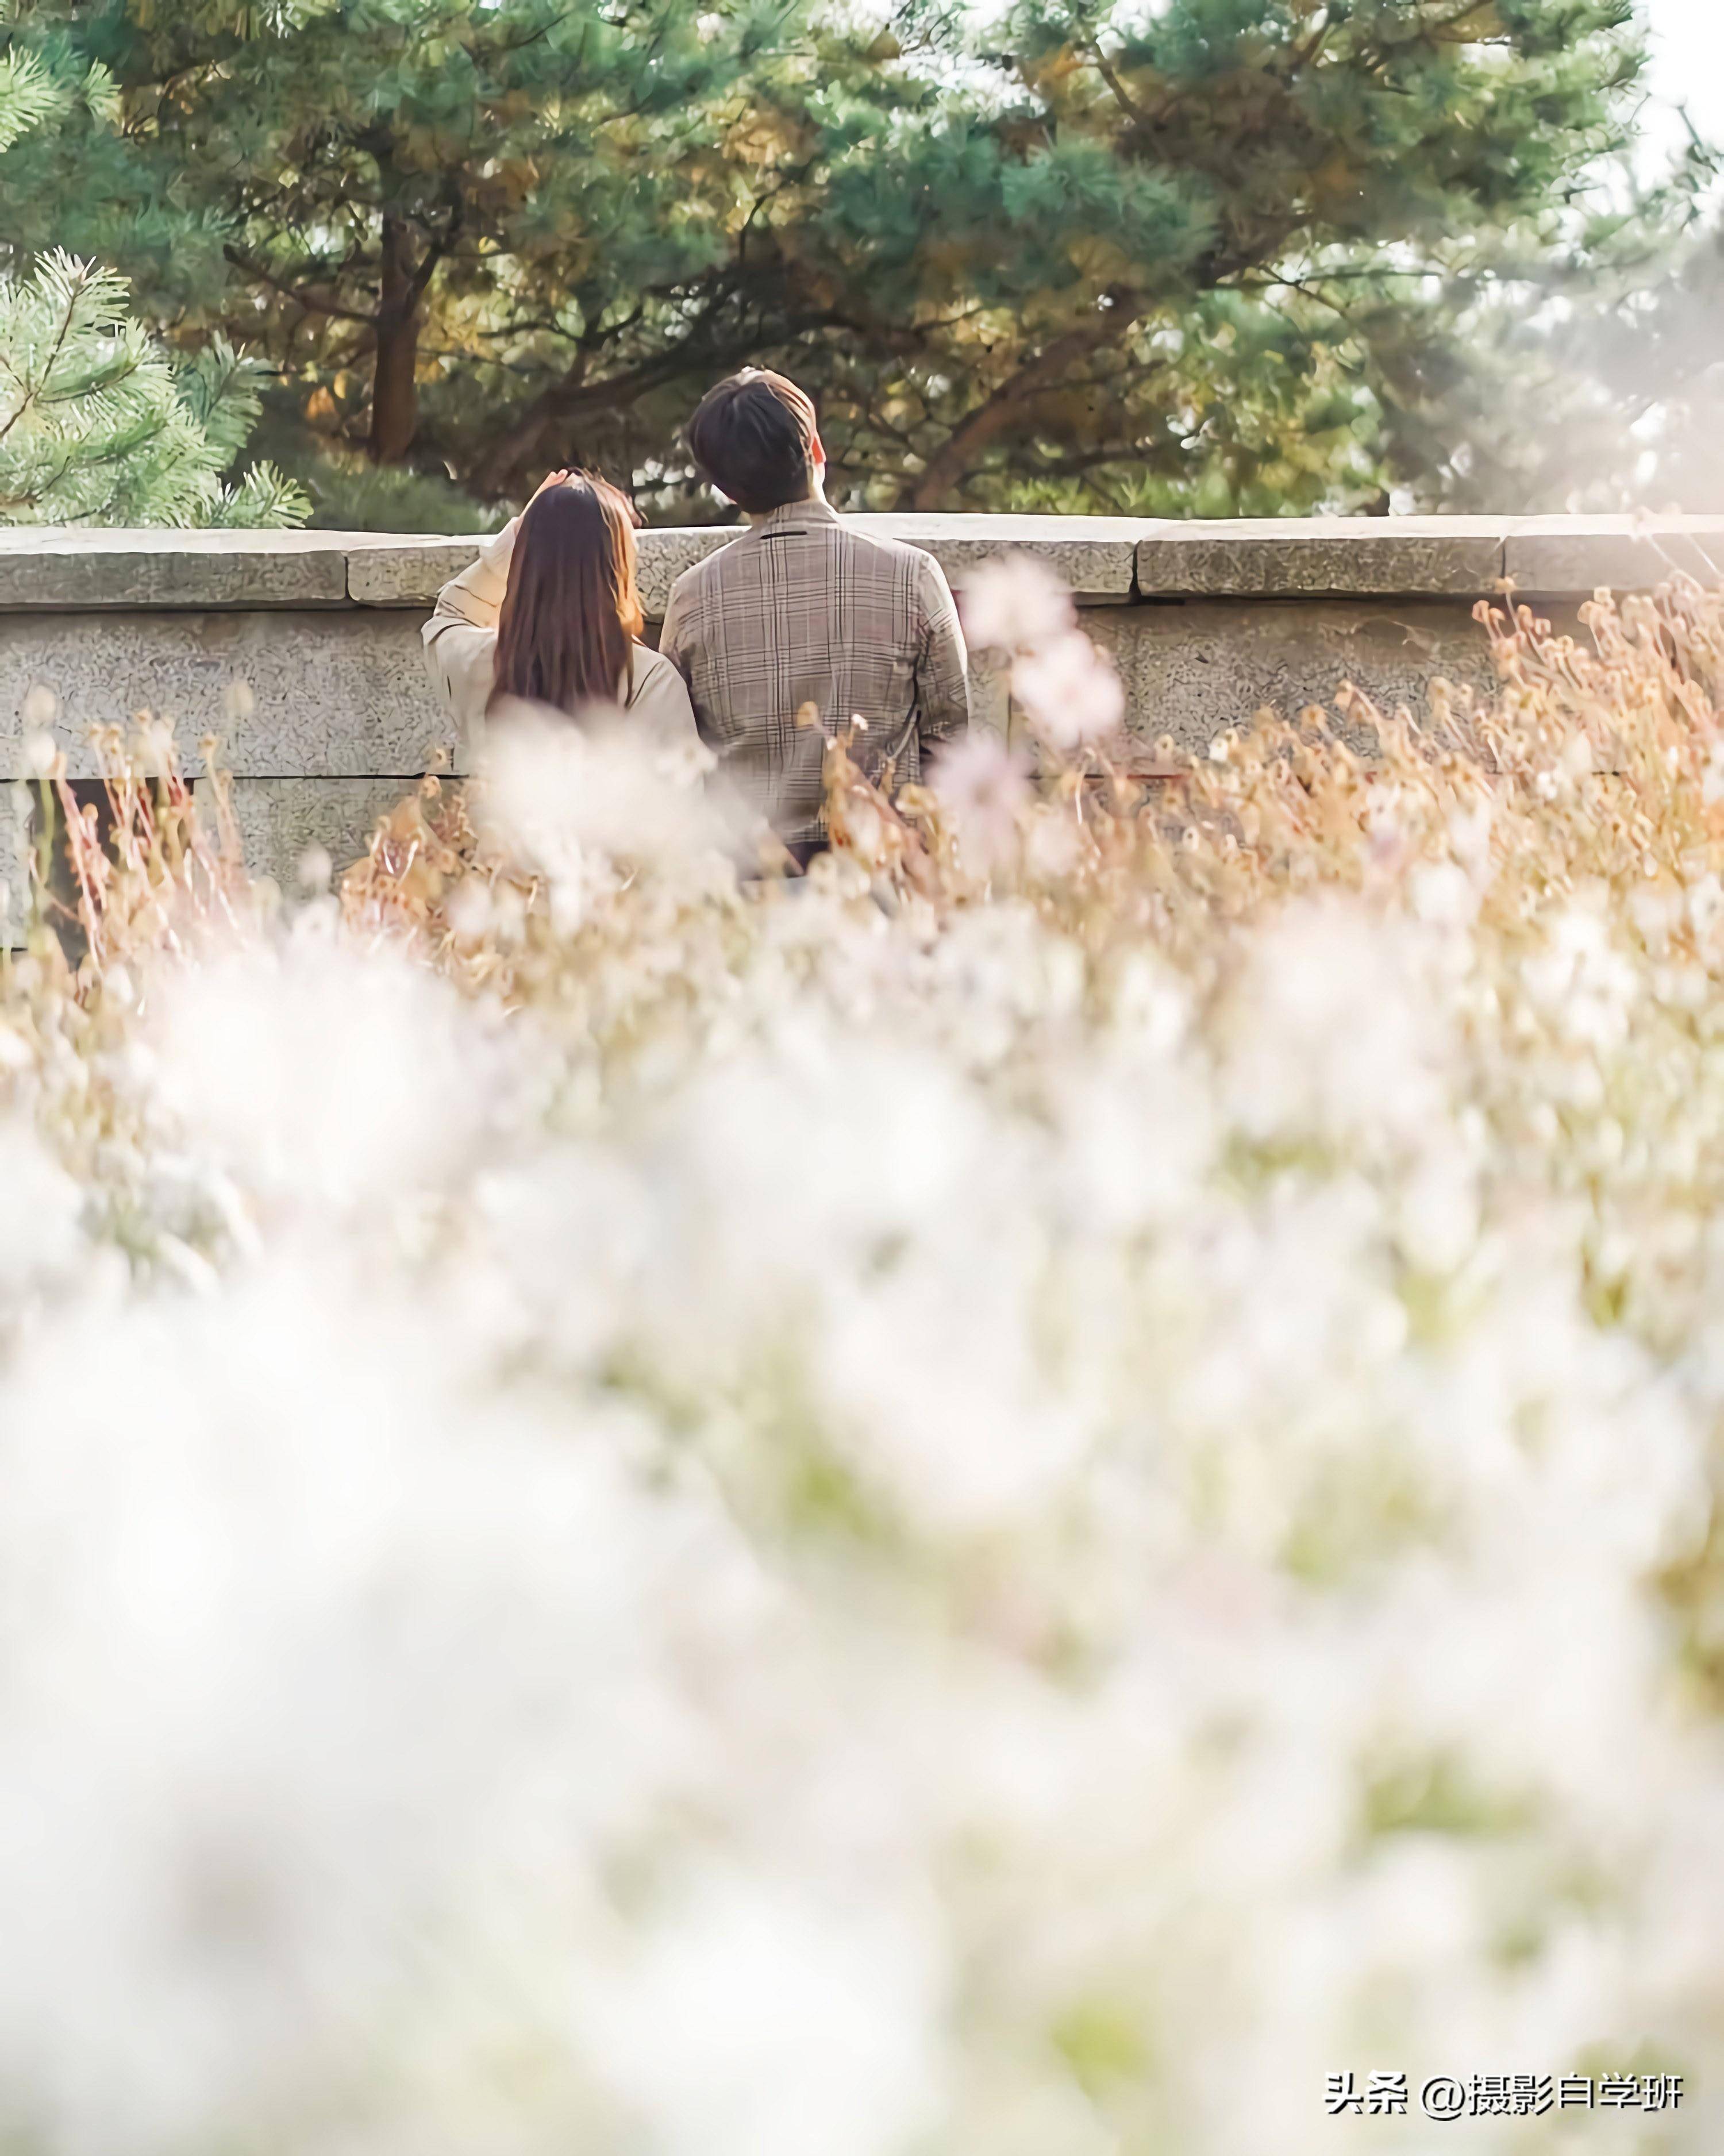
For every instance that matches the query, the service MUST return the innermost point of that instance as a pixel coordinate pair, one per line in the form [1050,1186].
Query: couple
[803,608]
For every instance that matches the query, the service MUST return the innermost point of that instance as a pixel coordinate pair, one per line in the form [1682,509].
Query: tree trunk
[518,448]
[395,382]
[1008,407]
[546,432]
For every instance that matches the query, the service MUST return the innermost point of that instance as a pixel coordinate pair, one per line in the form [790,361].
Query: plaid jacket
[805,608]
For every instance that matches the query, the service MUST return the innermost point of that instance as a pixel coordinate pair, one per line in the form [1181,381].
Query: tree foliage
[1611,395]
[1197,261]
[1210,258]
[98,424]
[464,226]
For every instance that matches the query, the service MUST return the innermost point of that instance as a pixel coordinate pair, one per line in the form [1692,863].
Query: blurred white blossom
[871,1517]
[1070,692]
[984,787]
[1015,602]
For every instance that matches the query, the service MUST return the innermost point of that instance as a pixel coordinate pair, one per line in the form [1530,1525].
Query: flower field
[1017,1502]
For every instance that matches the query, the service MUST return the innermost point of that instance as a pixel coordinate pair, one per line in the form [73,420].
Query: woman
[549,614]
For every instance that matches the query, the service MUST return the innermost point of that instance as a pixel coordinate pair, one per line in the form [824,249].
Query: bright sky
[1688,61]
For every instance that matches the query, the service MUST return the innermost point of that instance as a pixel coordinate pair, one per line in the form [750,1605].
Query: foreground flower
[1014,603]
[1070,692]
[1015,1512]
[984,788]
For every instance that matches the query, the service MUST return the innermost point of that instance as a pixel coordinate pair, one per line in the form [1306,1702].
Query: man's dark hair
[752,437]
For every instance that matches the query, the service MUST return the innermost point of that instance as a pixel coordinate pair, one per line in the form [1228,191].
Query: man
[805,608]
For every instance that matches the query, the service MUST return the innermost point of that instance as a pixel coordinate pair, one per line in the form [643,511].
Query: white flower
[1069,692]
[1015,603]
[1017,1521]
[40,1204]
[469,909]
[787,2009]
[554,794]
[316,869]
[983,786]
[39,708]
[328,1076]
[1443,893]
[1333,1027]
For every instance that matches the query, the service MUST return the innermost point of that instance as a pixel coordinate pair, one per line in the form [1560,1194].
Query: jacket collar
[793,516]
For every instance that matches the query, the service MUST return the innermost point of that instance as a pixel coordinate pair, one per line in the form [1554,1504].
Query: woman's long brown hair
[571,609]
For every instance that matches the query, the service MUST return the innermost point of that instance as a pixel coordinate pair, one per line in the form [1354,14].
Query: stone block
[664,554]
[339,694]
[1193,670]
[14,881]
[281,820]
[1573,556]
[398,572]
[403,570]
[48,567]
[990,696]
[1323,557]
[1104,560]
[1094,556]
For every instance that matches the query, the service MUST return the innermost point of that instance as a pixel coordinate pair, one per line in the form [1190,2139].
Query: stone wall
[1207,623]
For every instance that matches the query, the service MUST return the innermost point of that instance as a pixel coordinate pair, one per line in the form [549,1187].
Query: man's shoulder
[704,574]
[865,535]
[856,545]
[898,572]
[886,559]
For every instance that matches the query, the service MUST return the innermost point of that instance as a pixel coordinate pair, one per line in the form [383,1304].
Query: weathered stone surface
[339,717]
[1321,556]
[281,820]
[1104,560]
[14,839]
[340,694]
[342,697]
[1573,556]
[52,568]
[75,570]
[664,556]
[1192,670]
[990,697]
[1092,555]
[401,569]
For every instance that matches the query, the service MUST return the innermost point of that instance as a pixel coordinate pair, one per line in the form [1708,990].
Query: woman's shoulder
[659,696]
[648,665]
[651,673]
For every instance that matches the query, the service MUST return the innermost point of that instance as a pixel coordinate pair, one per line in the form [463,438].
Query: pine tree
[1213,256]
[98,425]
[517,214]
[1608,396]
[1200,256]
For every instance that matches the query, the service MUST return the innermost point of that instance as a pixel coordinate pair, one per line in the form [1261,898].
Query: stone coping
[1556,557]
[1106,561]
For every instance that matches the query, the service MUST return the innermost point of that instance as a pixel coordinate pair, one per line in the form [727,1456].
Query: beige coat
[461,650]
